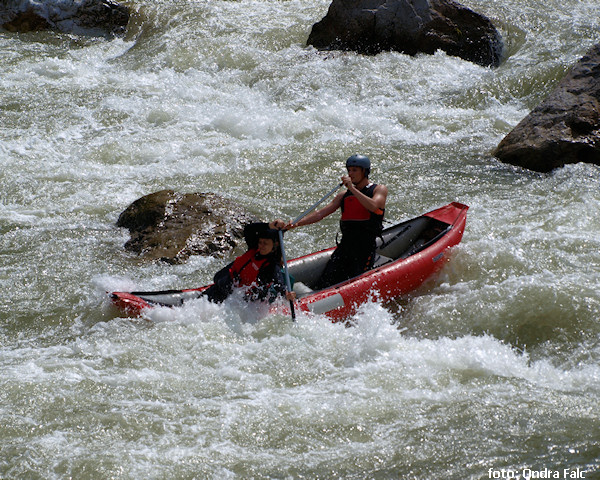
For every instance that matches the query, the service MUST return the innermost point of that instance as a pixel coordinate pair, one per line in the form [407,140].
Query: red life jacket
[353,211]
[245,268]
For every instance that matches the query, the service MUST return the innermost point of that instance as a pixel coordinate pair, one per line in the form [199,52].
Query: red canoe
[408,254]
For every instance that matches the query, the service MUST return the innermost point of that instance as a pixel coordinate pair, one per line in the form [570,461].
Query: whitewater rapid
[492,365]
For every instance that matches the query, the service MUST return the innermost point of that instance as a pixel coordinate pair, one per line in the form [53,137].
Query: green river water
[491,370]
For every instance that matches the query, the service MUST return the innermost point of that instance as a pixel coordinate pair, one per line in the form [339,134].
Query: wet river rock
[565,127]
[408,26]
[171,226]
[86,17]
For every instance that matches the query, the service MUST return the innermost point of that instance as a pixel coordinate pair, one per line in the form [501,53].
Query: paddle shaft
[288,284]
[296,220]
[305,213]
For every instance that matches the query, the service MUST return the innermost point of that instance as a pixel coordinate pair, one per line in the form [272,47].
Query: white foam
[224,97]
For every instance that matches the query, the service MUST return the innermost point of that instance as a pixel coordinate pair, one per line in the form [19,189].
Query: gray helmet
[359,161]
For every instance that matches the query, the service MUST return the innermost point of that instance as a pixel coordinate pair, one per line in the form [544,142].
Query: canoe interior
[397,242]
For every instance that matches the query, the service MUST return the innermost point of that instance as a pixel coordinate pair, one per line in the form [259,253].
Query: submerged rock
[565,127]
[87,17]
[409,26]
[171,226]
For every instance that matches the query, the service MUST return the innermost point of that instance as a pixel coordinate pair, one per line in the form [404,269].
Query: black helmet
[270,233]
[359,161]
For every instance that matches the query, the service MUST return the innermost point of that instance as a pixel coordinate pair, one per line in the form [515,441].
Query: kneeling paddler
[259,269]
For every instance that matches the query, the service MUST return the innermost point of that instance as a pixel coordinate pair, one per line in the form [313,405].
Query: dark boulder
[88,17]
[565,127]
[26,21]
[172,226]
[408,26]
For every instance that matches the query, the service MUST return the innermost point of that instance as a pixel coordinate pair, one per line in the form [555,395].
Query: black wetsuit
[355,253]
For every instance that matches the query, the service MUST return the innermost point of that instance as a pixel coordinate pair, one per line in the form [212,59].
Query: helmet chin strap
[361,181]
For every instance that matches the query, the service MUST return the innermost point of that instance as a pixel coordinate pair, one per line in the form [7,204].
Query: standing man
[363,206]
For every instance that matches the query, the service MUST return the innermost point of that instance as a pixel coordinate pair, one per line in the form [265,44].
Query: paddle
[287,274]
[296,220]
[306,212]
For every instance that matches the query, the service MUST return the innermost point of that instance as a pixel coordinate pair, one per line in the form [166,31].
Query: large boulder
[565,127]
[409,26]
[86,17]
[171,226]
